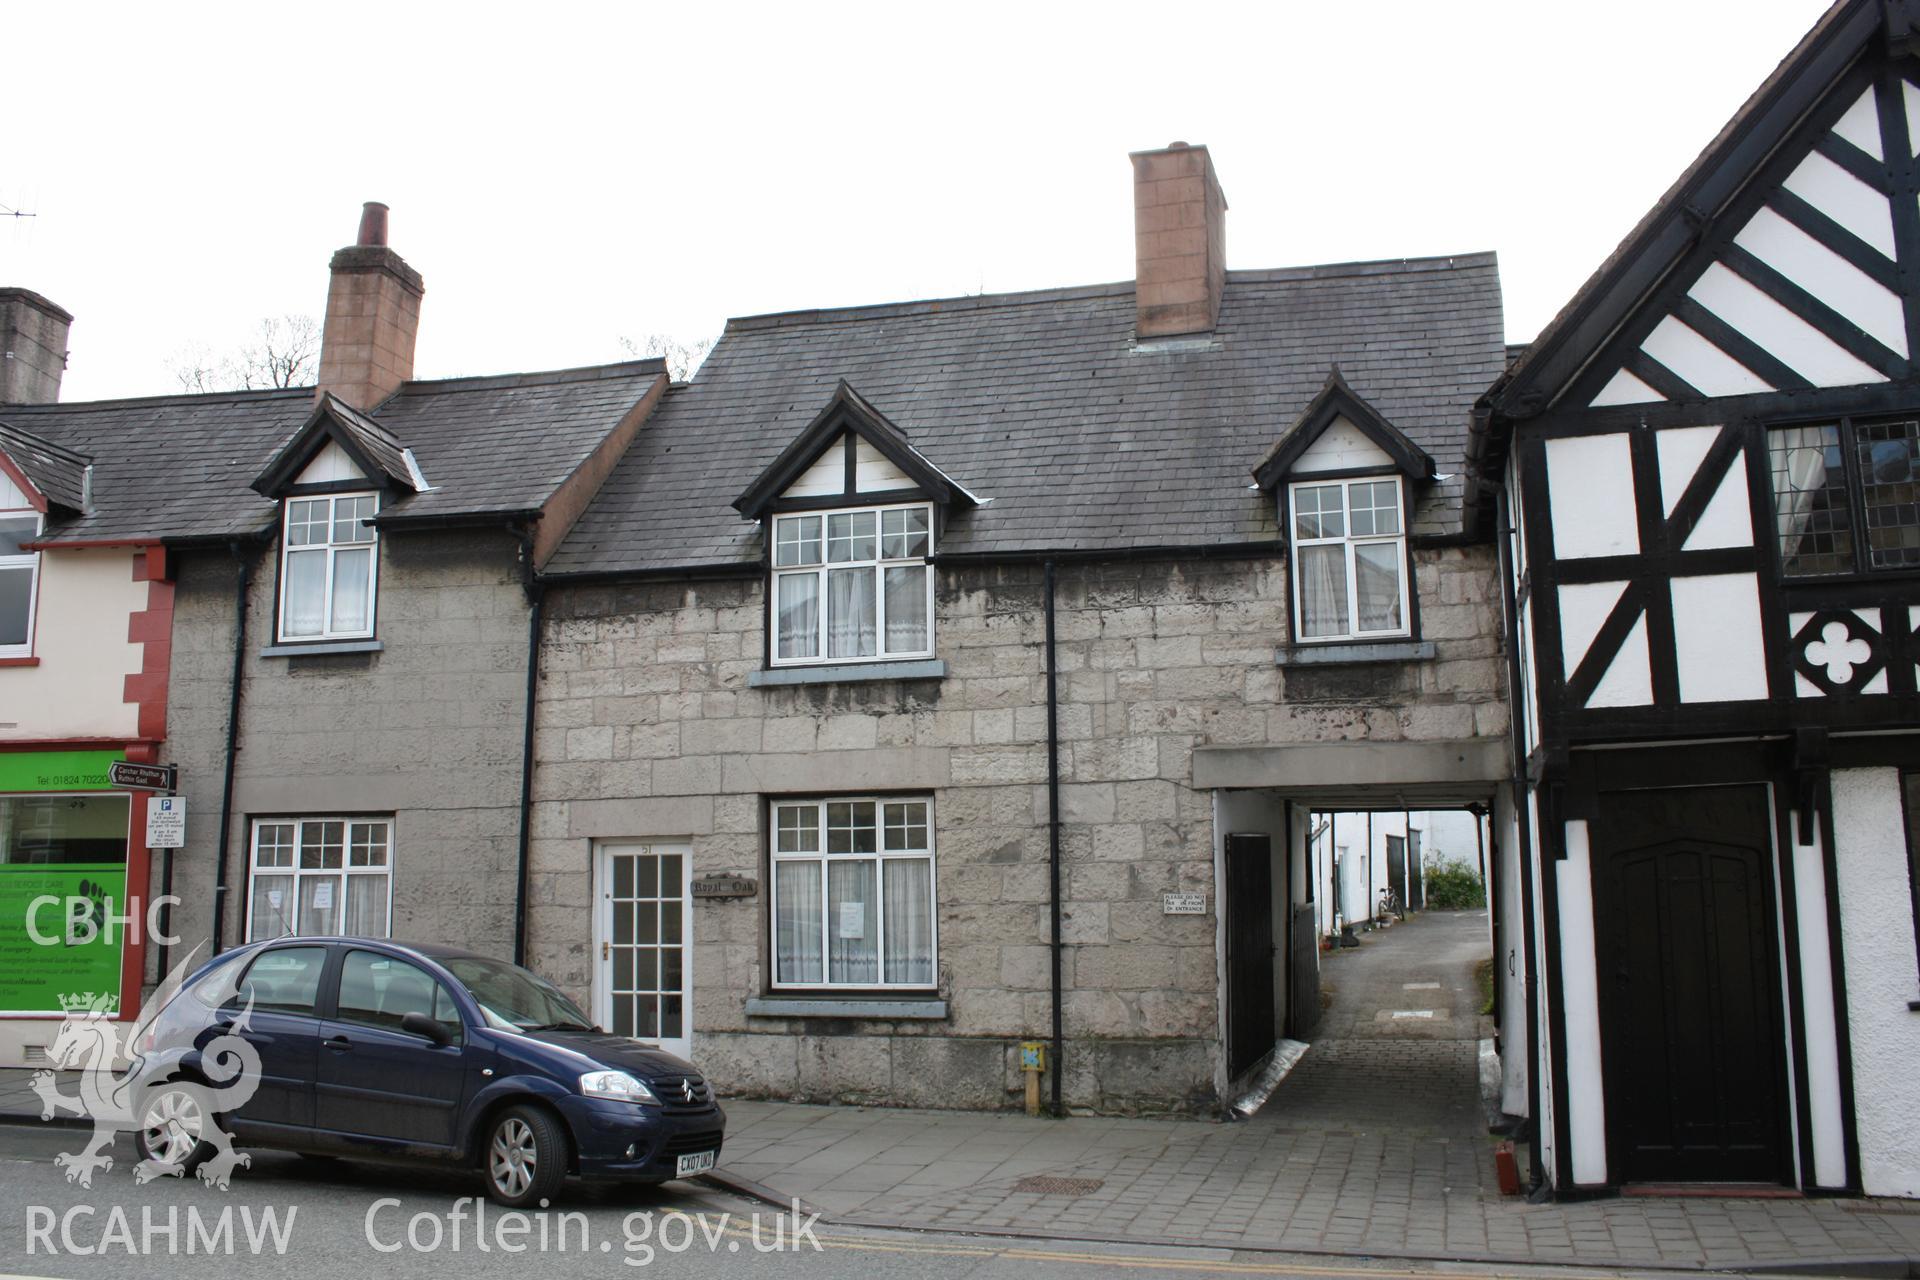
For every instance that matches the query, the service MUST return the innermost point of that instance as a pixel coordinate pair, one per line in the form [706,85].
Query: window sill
[849,673]
[309,649]
[1351,653]
[884,1010]
[19,662]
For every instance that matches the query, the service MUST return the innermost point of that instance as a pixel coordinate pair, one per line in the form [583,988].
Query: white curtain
[853,916]
[272,907]
[352,571]
[1376,567]
[799,615]
[797,921]
[910,921]
[850,613]
[306,591]
[907,609]
[1323,590]
[367,906]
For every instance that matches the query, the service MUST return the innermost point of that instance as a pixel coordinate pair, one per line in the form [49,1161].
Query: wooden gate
[1303,976]
[1248,904]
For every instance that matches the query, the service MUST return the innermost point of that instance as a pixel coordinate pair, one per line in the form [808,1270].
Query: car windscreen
[515,999]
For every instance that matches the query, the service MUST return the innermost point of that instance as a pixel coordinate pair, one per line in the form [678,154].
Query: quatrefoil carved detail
[1839,651]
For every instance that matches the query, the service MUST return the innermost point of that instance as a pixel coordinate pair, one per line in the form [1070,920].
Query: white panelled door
[643,982]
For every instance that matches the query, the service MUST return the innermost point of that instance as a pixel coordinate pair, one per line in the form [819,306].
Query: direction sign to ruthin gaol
[144,777]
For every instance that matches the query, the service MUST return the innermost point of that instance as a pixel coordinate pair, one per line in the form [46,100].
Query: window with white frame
[853,892]
[19,571]
[853,586]
[1349,559]
[329,560]
[321,876]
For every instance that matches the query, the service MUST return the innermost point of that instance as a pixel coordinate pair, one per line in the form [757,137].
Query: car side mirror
[420,1024]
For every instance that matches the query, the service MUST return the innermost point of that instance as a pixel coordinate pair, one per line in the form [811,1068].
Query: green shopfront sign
[56,770]
[74,953]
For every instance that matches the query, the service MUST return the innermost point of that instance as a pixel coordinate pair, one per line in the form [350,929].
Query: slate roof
[179,467]
[1039,404]
[59,474]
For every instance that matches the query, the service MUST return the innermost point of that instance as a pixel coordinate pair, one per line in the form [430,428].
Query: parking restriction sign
[166,822]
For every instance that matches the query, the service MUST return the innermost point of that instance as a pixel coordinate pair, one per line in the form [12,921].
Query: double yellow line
[1142,1262]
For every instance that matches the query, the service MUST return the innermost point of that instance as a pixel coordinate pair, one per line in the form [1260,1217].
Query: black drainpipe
[1053,839]
[537,601]
[233,745]
[1523,822]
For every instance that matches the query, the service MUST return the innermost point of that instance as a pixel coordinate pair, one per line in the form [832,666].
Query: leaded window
[1846,496]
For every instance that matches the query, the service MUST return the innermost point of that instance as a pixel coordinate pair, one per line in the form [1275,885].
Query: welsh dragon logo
[172,1098]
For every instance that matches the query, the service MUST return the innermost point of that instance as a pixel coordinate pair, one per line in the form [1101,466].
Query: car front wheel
[173,1125]
[526,1157]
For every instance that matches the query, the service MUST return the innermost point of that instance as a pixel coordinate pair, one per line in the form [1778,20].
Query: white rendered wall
[1509,963]
[1580,989]
[1341,446]
[78,690]
[1824,1116]
[1882,975]
[1590,496]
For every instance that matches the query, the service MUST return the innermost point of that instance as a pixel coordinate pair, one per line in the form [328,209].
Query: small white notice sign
[1183,904]
[166,822]
[323,895]
[853,920]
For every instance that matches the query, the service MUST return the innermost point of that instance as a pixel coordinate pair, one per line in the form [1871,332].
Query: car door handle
[339,1043]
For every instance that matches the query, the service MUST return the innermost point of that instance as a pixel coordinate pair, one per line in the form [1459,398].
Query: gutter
[1053,837]
[220,887]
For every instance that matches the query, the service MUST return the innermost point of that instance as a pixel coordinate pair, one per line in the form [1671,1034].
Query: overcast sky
[565,175]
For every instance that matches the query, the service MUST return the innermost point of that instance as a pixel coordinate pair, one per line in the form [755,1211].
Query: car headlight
[617,1085]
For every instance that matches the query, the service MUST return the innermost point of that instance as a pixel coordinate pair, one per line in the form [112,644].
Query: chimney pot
[373,312]
[373,224]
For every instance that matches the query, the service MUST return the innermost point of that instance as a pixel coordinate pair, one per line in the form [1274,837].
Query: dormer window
[329,561]
[851,511]
[853,585]
[19,570]
[1344,479]
[1350,559]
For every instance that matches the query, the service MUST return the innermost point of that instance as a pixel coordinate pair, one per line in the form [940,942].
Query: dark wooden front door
[1689,986]
[1248,903]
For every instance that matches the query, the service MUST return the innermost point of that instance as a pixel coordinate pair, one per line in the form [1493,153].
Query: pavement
[1375,1147]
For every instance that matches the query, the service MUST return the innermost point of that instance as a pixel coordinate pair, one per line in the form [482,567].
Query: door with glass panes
[643,982]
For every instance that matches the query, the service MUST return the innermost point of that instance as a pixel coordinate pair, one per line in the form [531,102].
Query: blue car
[366,1048]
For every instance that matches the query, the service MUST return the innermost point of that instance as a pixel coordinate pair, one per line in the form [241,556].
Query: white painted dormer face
[329,466]
[872,473]
[1341,447]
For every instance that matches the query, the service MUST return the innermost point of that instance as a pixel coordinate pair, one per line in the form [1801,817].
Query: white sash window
[19,571]
[853,586]
[853,893]
[320,876]
[1349,559]
[329,561]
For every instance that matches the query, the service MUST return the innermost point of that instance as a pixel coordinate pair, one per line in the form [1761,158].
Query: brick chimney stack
[1180,242]
[33,347]
[373,313]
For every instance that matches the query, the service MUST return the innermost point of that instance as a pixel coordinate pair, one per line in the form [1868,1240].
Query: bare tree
[682,357]
[285,354]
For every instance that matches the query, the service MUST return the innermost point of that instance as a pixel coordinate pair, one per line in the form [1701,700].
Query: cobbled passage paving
[1375,1145]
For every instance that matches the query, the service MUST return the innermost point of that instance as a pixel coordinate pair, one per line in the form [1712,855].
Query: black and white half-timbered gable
[1704,476]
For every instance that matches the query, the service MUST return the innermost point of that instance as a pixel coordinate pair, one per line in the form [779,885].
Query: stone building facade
[646,725]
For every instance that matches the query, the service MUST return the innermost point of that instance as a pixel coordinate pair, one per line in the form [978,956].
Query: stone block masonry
[646,729]
[426,731]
